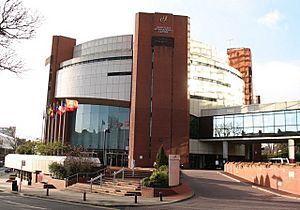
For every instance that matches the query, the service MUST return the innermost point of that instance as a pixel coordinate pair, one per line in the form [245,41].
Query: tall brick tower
[62,50]
[240,58]
[159,101]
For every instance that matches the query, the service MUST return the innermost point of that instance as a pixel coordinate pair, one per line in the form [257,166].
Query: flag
[61,110]
[50,111]
[71,105]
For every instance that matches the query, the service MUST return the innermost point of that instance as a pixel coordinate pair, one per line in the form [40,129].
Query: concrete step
[106,188]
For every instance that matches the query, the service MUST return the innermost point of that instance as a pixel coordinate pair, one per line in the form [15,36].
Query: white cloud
[271,19]
[277,81]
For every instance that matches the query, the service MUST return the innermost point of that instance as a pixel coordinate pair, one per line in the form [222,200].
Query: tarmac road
[215,191]
[9,201]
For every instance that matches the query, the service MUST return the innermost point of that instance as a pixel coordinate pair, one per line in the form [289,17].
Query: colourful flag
[61,110]
[71,105]
[50,111]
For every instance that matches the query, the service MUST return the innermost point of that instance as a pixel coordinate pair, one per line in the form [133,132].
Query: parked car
[279,160]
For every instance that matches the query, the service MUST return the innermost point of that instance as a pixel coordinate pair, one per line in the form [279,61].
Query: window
[268,119]
[279,119]
[248,122]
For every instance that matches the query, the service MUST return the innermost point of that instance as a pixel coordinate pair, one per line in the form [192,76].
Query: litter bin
[14,185]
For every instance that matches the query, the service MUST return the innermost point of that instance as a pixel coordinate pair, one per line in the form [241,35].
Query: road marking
[274,193]
[229,177]
[23,205]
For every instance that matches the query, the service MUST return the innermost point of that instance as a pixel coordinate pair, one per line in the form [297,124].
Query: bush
[161,158]
[57,170]
[158,178]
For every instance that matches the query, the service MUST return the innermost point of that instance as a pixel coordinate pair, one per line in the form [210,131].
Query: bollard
[84,196]
[47,191]
[160,196]
[135,198]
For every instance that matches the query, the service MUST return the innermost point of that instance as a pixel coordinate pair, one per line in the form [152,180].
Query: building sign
[163,19]
[163,29]
[163,24]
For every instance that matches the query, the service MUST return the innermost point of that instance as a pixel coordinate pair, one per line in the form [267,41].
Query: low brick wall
[154,191]
[59,184]
[281,177]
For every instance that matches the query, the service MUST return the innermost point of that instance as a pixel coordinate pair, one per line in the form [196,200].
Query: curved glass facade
[100,69]
[212,82]
[89,122]
[253,124]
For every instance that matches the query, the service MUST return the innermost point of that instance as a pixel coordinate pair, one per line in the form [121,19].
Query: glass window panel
[279,129]
[298,117]
[257,120]
[238,121]
[269,129]
[229,122]
[290,117]
[218,132]
[279,119]
[248,122]
[268,119]
[238,131]
[248,130]
[291,128]
[90,122]
[257,129]
[219,122]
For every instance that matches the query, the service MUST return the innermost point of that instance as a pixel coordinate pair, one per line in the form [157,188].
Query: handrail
[82,174]
[94,179]
[117,172]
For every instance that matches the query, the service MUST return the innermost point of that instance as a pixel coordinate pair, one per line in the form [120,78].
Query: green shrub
[159,178]
[57,170]
[161,158]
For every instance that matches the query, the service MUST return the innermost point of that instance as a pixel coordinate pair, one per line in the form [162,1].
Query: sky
[271,28]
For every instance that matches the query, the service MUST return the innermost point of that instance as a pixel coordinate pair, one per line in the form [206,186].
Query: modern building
[98,75]
[137,92]
[236,133]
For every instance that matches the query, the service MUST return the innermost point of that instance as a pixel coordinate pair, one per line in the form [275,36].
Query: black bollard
[160,196]
[47,191]
[135,198]
[84,196]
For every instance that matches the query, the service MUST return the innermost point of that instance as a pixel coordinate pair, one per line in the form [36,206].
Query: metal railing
[75,178]
[94,179]
[122,170]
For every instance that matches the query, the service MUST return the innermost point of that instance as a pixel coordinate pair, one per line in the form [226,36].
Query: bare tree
[16,23]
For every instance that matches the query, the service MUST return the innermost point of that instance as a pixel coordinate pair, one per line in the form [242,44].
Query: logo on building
[163,19]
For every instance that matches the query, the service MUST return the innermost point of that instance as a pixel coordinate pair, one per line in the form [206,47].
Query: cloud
[277,81]
[271,19]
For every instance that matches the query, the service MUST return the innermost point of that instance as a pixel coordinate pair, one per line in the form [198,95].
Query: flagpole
[64,125]
[59,126]
[48,128]
[43,127]
[51,134]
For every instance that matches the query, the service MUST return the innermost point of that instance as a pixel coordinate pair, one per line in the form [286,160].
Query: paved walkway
[97,199]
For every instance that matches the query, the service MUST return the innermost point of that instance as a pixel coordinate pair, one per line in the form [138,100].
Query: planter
[154,191]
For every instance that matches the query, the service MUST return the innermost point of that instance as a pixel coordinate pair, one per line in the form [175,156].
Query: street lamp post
[104,146]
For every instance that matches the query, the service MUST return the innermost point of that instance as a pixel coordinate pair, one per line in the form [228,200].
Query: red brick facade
[159,102]
[62,50]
